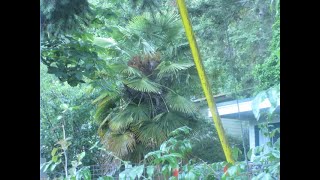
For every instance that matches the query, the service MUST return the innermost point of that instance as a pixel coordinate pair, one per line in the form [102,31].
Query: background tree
[77,120]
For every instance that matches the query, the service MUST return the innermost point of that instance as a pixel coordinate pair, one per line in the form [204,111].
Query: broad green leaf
[274,98]
[259,98]
[277,144]
[276,153]
[190,176]
[122,175]
[175,155]
[150,171]
[80,156]
[47,166]
[54,150]
[104,42]
[232,170]
[267,176]
[84,173]
[172,161]
[94,146]
[156,154]
[55,158]
[136,172]
[235,153]
[105,178]
[64,106]
[182,130]
[166,169]
[53,166]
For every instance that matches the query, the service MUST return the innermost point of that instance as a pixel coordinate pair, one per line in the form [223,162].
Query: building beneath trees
[238,119]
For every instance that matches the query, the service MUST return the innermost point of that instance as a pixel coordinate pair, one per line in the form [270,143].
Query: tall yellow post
[203,79]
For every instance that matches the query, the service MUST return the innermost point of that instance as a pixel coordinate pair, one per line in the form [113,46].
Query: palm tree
[151,60]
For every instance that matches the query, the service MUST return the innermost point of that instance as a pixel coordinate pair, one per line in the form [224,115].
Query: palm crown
[147,108]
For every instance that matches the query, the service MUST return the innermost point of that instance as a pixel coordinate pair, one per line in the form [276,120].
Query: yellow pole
[203,79]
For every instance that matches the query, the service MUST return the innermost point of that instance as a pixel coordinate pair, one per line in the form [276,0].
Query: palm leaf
[131,114]
[150,134]
[102,127]
[139,113]
[104,42]
[131,71]
[143,85]
[121,144]
[156,131]
[121,121]
[138,24]
[125,69]
[180,103]
[105,102]
[170,121]
[167,68]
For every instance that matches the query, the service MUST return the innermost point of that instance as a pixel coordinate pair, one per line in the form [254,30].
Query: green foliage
[60,103]
[233,37]
[143,85]
[272,95]
[61,16]
[180,103]
[139,103]
[268,73]
[206,144]
[132,173]
[173,154]
[71,58]
[167,68]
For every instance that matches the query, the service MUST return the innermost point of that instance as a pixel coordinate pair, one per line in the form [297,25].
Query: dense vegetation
[117,76]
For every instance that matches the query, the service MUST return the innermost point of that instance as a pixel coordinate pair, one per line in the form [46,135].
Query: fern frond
[143,85]
[180,103]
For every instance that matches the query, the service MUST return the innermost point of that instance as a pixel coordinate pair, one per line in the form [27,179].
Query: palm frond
[125,69]
[143,85]
[153,133]
[103,127]
[132,113]
[138,24]
[155,31]
[170,121]
[167,68]
[131,71]
[120,121]
[170,24]
[139,113]
[105,102]
[121,144]
[180,103]
[138,154]
[150,134]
